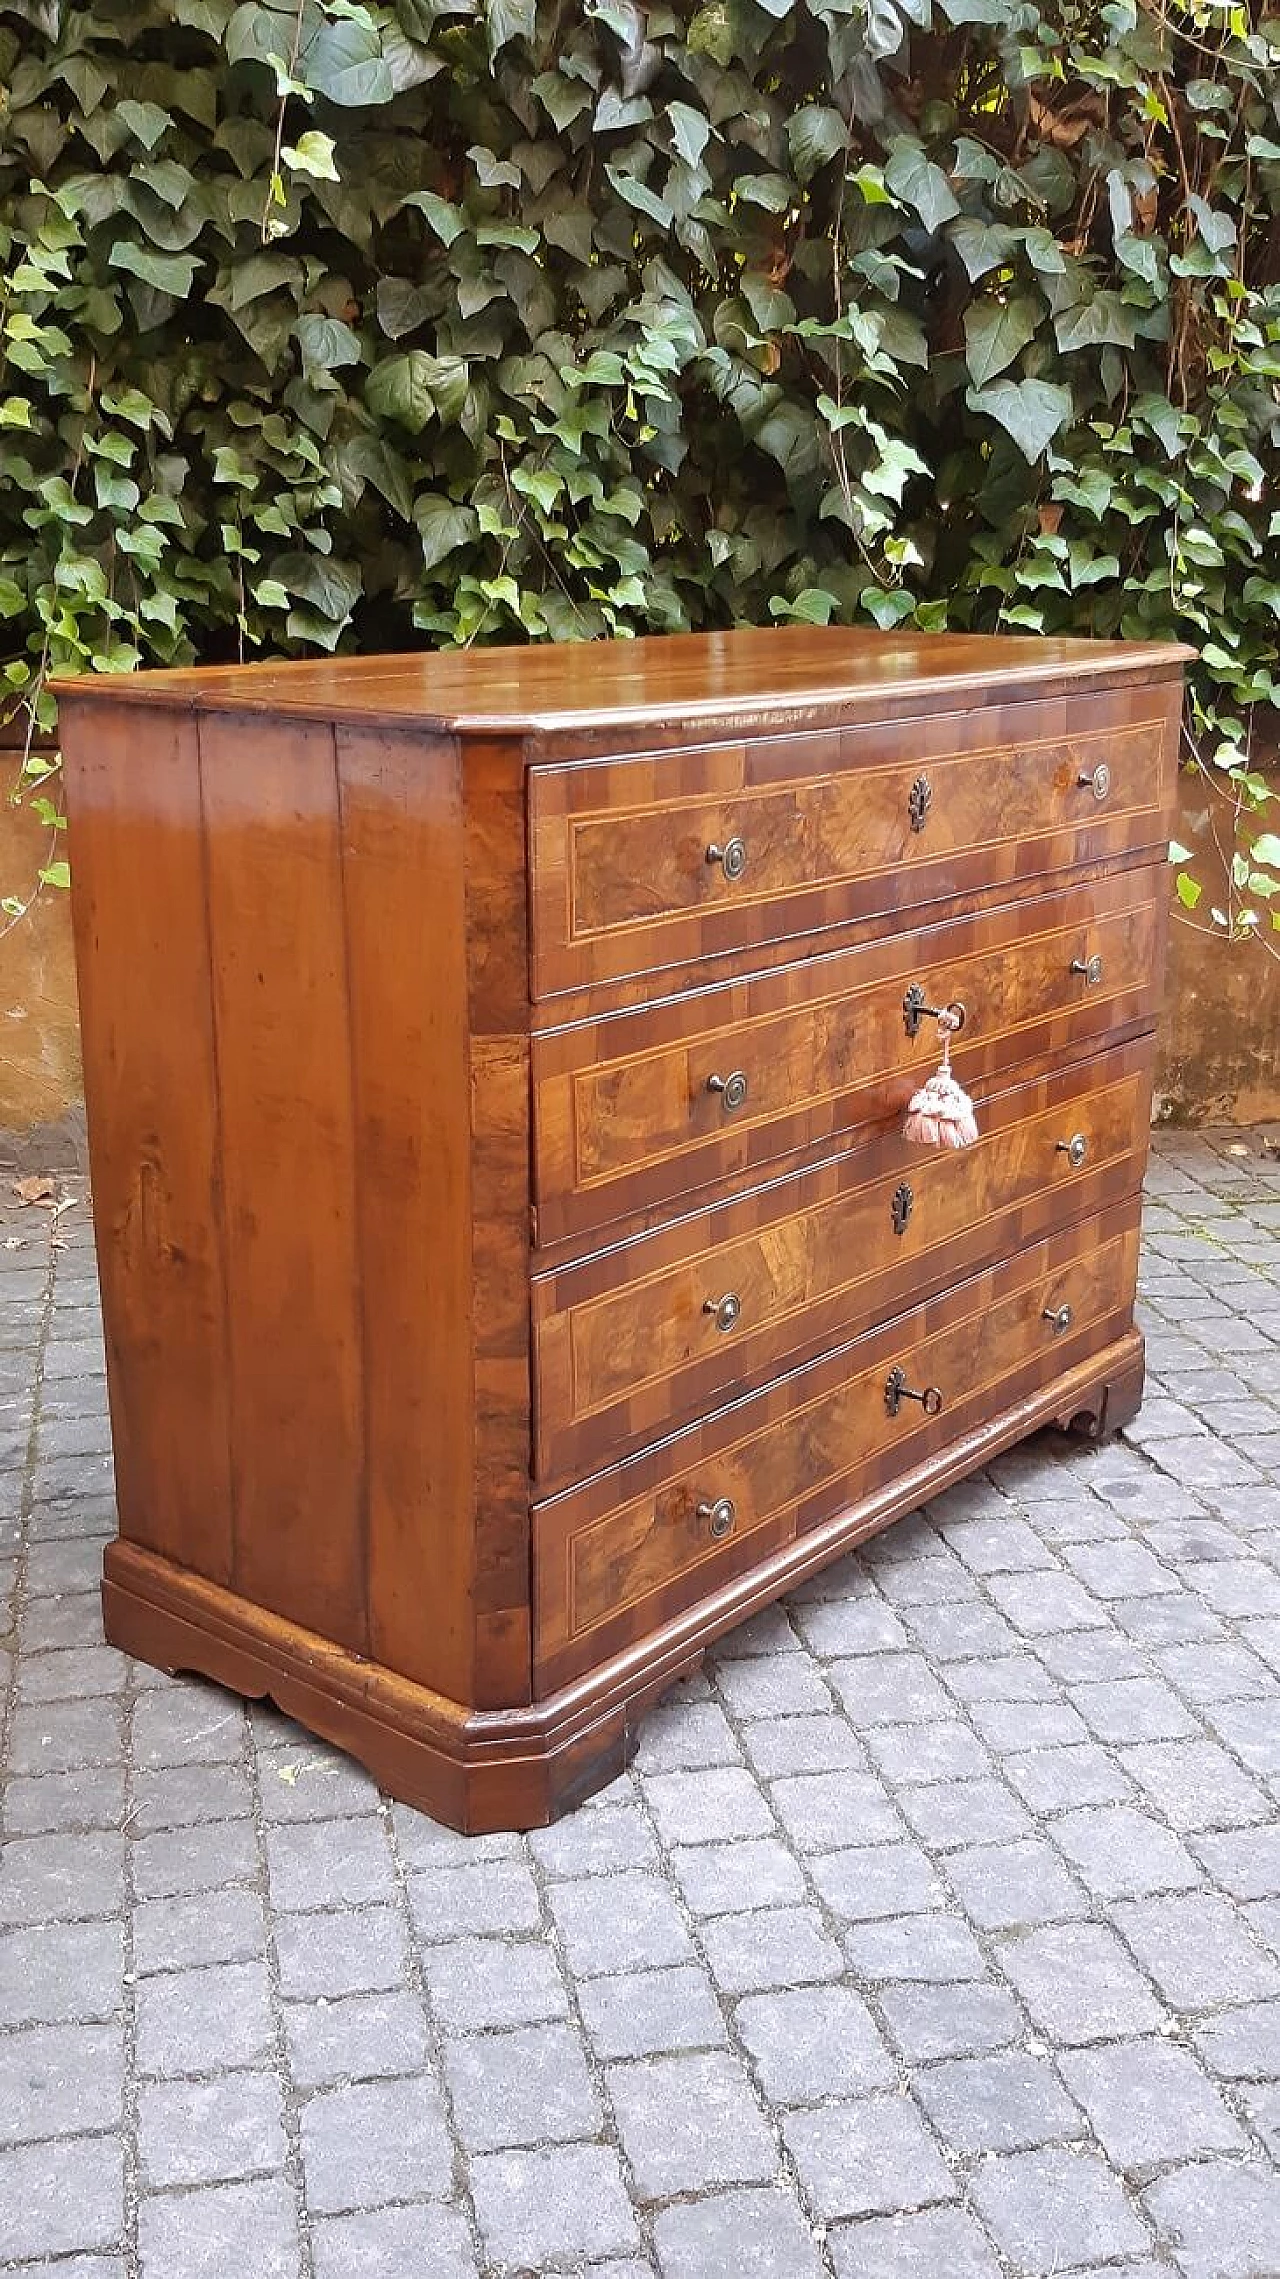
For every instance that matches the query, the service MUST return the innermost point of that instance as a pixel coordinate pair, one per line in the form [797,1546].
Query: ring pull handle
[915,1010]
[1098,780]
[726,1312]
[731,1089]
[732,858]
[897,1390]
[1090,967]
[1060,1317]
[1075,1149]
[719,1517]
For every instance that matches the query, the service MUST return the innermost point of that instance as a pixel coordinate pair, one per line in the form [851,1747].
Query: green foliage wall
[334,325]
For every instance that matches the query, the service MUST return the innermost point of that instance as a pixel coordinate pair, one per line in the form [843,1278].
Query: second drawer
[639,1339]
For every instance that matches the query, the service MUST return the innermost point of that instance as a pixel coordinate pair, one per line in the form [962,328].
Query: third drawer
[641,1338]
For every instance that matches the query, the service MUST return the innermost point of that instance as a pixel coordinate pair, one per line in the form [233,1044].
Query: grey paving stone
[942,1750]
[70,1619]
[1010,1677]
[938,2241]
[950,2021]
[888,1689]
[996,1544]
[1218,1670]
[423,1844]
[71,1673]
[357,2037]
[188,1723]
[728,1879]
[52,1737]
[1118,1570]
[719,2138]
[492,1899]
[737,2235]
[1176,1620]
[1150,2105]
[826,1811]
[58,2081]
[180,1862]
[210,2132]
[1255,1740]
[224,1926]
[524,2088]
[181,1796]
[1243,2044]
[391,2243]
[681,1735]
[61,2198]
[1012,1728]
[650,2012]
[774,1947]
[1045,1602]
[1221,2218]
[1133,1709]
[61,1878]
[483,1982]
[1092,1657]
[199,2021]
[959,1629]
[1198,1951]
[1246,1863]
[861,1625]
[331,1863]
[61,1972]
[813,2042]
[877,1880]
[1078,1983]
[948,1814]
[702,1807]
[1004,2103]
[1195,1784]
[781,1745]
[640,1927]
[218,2230]
[932,1949]
[1057,1780]
[1001,1886]
[1120,1852]
[314,1783]
[871,2157]
[788,1686]
[1052,2208]
[367,2143]
[357,1950]
[766,1636]
[538,2208]
[1240,1586]
[606,1841]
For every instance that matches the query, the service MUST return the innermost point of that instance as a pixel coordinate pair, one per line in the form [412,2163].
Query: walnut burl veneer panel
[495,1065]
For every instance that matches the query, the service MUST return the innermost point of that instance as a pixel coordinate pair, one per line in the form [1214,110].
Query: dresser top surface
[677,679]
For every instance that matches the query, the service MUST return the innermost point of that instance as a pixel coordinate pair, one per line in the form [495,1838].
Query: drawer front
[620,1555]
[636,1108]
[666,857]
[644,1337]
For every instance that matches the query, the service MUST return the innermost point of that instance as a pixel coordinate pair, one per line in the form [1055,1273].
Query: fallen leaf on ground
[37,1189]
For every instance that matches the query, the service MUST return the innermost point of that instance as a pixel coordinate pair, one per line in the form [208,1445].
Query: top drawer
[672,856]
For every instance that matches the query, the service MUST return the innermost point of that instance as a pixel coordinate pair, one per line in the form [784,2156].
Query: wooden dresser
[513,1268]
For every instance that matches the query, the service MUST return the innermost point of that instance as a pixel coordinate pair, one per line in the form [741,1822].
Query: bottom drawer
[619,1555]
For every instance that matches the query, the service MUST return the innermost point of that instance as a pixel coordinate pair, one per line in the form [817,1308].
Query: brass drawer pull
[732,1090]
[919,801]
[719,1516]
[1060,1316]
[1099,782]
[915,1010]
[732,858]
[902,1206]
[897,1390]
[1090,967]
[1075,1149]
[726,1311]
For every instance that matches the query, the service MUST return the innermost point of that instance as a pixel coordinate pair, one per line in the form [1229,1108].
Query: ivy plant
[332,324]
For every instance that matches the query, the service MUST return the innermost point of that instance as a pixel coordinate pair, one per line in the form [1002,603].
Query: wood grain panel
[403,889]
[142,954]
[627,1344]
[283,1036]
[622,882]
[620,1554]
[625,1110]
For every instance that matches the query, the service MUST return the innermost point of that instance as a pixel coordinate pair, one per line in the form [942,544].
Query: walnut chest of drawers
[514,1272]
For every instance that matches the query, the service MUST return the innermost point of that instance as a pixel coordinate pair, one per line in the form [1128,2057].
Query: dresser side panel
[142,944]
[403,891]
[283,1042]
[499,1018]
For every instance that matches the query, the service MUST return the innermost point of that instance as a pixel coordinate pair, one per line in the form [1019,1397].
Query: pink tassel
[941,1112]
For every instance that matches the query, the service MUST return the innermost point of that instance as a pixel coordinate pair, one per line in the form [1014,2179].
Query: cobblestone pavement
[935,1936]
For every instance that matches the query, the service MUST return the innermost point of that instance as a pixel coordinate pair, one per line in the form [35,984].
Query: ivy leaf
[168,272]
[146,121]
[443,527]
[332,588]
[312,154]
[1031,412]
[508,20]
[690,132]
[344,61]
[1266,849]
[815,135]
[913,177]
[995,333]
[413,387]
[1187,889]
[326,344]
